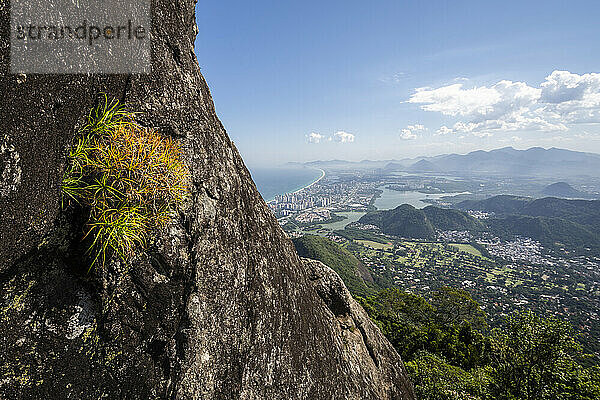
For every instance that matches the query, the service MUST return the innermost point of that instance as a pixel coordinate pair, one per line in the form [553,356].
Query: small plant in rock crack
[130,178]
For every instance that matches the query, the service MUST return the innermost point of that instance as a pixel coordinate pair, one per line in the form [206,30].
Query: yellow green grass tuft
[130,178]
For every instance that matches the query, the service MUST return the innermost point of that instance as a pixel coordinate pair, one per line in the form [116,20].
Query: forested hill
[551,221]
[408,221]
[582,212]
[502,204]
[563,189]
[355,275]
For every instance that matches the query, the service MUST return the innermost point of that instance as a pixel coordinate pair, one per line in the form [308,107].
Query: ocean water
[275,181]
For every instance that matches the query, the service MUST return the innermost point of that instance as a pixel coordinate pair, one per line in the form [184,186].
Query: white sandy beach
[312,183]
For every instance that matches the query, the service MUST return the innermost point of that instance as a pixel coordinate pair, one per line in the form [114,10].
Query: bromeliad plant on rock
[130,178]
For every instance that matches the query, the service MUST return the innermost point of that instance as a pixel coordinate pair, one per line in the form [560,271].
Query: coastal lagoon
[389,199]
[429,175]
[393,198]
[351,216]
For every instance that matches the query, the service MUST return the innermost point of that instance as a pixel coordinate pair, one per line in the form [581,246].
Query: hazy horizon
[288,163]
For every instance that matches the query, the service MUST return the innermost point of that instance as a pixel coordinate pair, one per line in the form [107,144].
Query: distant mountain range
[506,161]
[535,161]
[424,166]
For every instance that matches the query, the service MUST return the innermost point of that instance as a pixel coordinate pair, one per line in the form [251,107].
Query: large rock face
[218,307]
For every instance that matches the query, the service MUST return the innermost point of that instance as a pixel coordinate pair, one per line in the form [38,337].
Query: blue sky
[299,81]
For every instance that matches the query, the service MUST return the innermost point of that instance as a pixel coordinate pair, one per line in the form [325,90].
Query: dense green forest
[451,354]
[450,351]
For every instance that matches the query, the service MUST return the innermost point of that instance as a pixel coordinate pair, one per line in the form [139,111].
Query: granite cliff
[219,306]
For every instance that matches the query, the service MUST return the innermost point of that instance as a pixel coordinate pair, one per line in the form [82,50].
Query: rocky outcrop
[364,345]
[219,306]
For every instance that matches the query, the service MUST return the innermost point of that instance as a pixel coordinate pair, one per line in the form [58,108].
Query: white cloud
[339,137]
[563,98]
[571,97]
[410,132]
[314,137]
[406,134]
[454,100]
[444,130]
[343,137]
[416,127]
